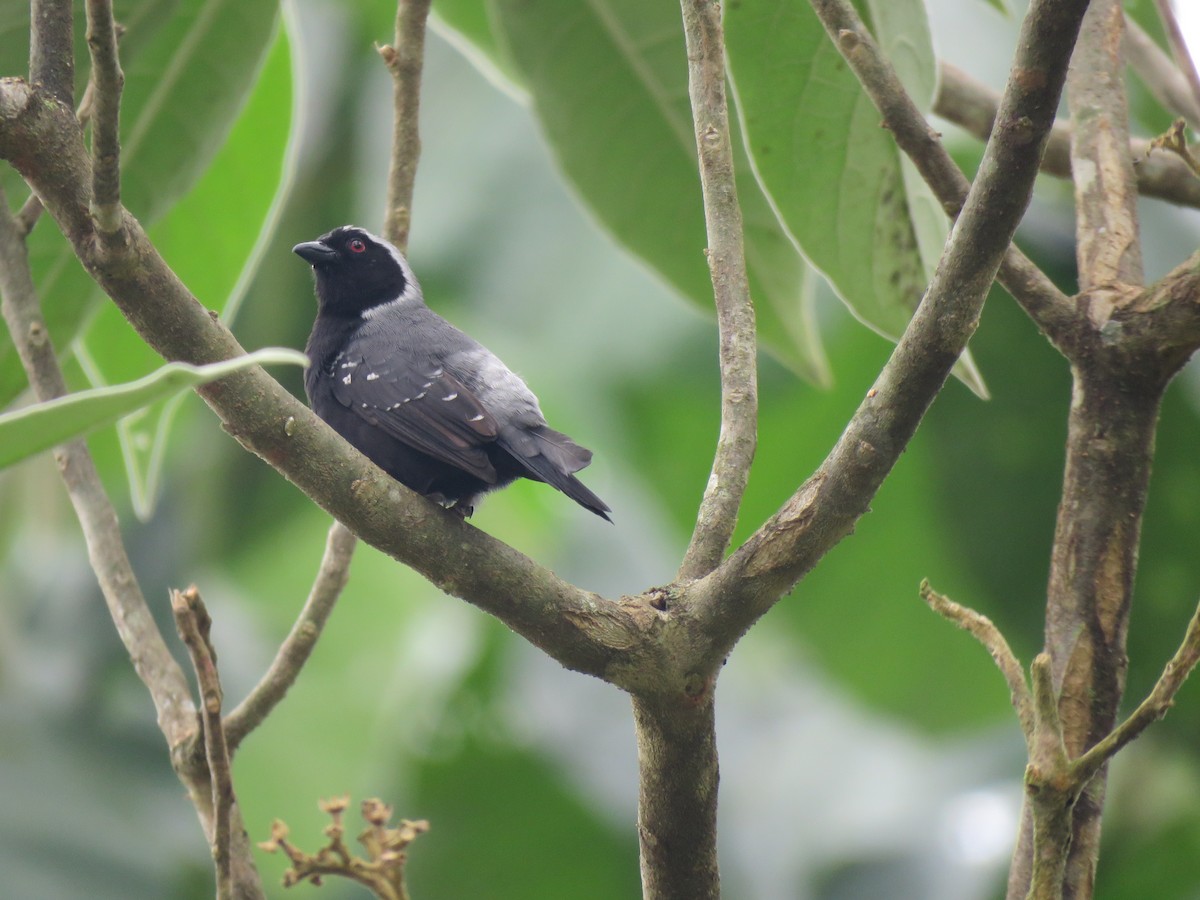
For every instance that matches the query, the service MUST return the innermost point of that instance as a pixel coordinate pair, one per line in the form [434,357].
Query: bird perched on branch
[429,405]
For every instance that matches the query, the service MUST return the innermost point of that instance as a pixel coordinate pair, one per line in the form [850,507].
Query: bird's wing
[422,405]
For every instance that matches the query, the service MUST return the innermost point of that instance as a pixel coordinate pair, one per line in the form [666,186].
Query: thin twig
[1174,140]
[130,614]
[52,49]
[736,443]
[405,58]
[1159,73]
[1108,248]
[298,646]
[107,81]
[972,105]
[1150,710]
[1051,752]
[1179,49]
[1029,286]
[193,622]
[983,630]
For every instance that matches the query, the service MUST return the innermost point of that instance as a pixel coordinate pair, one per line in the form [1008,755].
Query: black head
[357,271]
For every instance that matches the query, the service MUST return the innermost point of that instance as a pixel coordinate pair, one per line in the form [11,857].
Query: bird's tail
[553,457]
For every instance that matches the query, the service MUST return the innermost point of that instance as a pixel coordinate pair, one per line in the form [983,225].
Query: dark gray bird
[426,403]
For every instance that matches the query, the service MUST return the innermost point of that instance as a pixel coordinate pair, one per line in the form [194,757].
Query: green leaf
[189,68]
[252,173]
[840,185]
[608,80]
[35,428]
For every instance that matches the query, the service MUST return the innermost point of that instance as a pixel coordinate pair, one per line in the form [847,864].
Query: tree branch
[193,622]
[1159,73]
[298,646]
[106,83]
[983,630]
[106,551]
[972,105]
[1160,699]
[579,629]
[825,508]
[726,255]
[1179,50]
[677,796]
[1052,793]
[1118,380]
[1108,248]
[405,59]
[52,49]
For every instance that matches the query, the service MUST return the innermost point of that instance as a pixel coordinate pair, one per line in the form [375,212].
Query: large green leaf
[189,68]
[33,429]
[608,80]
[847,195]
[251,174]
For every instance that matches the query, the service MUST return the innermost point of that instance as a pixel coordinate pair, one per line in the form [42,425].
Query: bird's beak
[315,252]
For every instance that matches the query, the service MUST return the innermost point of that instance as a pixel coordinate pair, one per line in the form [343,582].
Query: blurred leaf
[1001,6]
[43,425]
[252,174]
[467,24]
[609,83]
[188,70]
[527,811]
[845,192]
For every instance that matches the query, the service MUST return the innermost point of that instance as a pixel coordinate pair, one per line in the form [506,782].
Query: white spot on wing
[346,378]
[372,376]
[453,396]
[478,418]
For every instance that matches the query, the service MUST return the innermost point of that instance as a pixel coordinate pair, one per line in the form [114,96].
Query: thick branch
[825,508]
[677,801]
[52,49]
[107,81]
[1108,249]
[296,649]
[972,105]
[404,59]
[580,629]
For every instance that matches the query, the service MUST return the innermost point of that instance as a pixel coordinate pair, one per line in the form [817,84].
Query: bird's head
[357,272]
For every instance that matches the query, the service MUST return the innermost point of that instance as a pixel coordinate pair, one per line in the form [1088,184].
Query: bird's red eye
[357,246]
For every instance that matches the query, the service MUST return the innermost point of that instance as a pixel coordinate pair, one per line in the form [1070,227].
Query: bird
[431,406]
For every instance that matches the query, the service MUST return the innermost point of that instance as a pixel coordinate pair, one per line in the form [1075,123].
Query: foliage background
[867,748]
